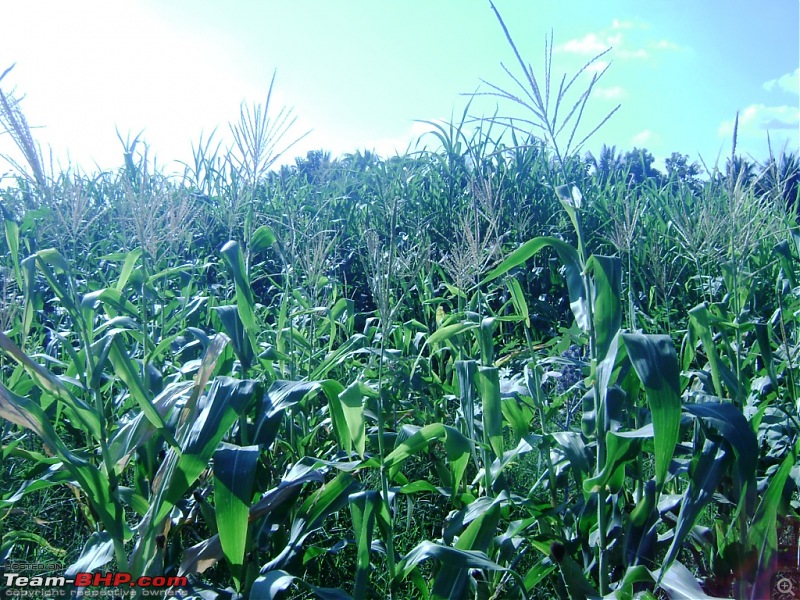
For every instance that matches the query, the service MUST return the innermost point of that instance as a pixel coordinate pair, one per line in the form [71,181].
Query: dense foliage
[491,370]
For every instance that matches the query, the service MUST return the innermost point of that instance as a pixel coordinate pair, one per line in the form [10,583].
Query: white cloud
[665,45]
[758,119]
[610,93]
[644,138]
[589,44]
[789,82]
[597,66]
[622,36]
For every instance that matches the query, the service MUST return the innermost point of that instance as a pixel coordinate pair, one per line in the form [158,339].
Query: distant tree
[780,178]
[638,166]
[315,167]
[740,171]
[607,164]
[680,169]
[360,162]
[635,166]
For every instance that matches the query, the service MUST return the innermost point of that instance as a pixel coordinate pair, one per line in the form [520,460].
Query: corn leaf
[363,508]
[572,266]
[489,389]
[245,305]
[705,478]
[50,384]
[607,308]
[457,448]
[131,259]
[451,582]
[763,535]
[350,407]
[733,426]
[656,363]
[234,474]
[226,400]
[29,415]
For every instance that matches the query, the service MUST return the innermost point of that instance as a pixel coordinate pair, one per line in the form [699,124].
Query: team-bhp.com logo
[18,585]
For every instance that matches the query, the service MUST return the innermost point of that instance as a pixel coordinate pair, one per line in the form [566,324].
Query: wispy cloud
[789,82]
[610,93]
[589,44]
[624,37]
[644,138]
[758,118]
[666,45]
[597,67]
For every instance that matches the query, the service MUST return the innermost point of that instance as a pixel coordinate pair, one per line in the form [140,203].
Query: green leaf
[12,239]
[97,552]
[765,349]
[245,305]
[454,557]
[225,401]
[311,514]
[700,321]
[457,448]
[656,363]
[350,405]
[733,426]
[138,430]
[784,253]
[575,450]
[94,483]
[518,298]
[466,371]
[620,450]
[445,333]
[578,586]
[353,345]
[703,483]
[518,415]
[485,341]
[572,265]
[607,272]
[262,238]
[363,508]
[50,384]
[109,297]
[28,269]
[127,371]
[680,584]
[451,582]
[763,533]
[489,389]
[234,328]
[272,584]
[633,575]
[131,259]
[234,474]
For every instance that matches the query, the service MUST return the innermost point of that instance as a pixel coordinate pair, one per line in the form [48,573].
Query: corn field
[499,368]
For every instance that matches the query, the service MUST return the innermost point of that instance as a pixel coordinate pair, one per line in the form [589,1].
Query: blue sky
[361,74]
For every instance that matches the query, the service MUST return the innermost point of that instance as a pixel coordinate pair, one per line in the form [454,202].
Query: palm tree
[607,164]
[779,178]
